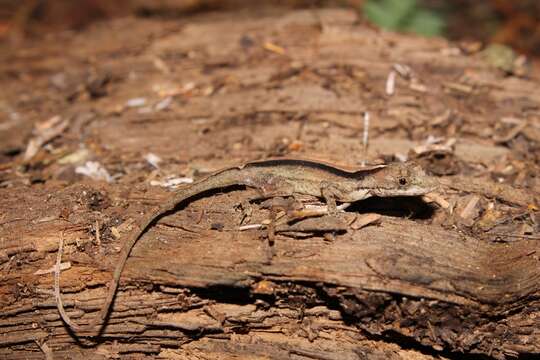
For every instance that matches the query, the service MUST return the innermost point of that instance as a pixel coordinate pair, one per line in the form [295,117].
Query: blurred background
[514,23]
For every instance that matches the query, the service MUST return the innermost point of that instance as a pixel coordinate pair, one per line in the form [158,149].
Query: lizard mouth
[409,191]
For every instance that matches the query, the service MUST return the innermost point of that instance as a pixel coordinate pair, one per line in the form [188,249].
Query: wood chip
[274,48]
[470,211]
[365,220]
[437,199]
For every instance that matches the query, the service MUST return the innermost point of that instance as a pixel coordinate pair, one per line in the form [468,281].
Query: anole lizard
[278,177]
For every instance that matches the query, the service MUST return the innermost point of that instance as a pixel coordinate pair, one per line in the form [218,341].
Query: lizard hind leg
[277,209]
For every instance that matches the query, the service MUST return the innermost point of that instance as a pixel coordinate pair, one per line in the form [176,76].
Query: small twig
[323,209]
[98,236]
[63,266]
[391,83]
[58,298]
[250,227]
[309,211]
[365,138]
[314,211]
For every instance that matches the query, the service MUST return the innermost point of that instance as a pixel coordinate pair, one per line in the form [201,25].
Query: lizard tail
[223,179]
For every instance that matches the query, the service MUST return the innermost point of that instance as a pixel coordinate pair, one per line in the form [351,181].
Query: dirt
[94,123]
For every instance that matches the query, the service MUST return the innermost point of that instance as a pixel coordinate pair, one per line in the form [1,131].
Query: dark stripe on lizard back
[360,173]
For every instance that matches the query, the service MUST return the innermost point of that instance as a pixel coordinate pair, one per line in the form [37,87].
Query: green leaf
[400,9]
[389,14]
[380,16]
[425,22]
[403,15]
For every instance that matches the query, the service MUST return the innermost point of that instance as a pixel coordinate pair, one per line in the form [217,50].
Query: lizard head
[403,179]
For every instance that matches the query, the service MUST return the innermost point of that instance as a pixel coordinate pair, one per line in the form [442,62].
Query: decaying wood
[420,282]
[423,283]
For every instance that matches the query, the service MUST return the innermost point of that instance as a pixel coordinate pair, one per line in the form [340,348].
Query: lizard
[272,178]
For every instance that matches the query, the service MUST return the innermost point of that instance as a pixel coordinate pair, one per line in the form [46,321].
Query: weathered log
[439,282]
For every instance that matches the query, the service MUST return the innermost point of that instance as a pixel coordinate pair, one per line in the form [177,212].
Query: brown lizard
[278,177]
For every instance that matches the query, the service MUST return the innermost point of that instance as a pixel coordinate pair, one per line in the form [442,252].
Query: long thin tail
[222,179]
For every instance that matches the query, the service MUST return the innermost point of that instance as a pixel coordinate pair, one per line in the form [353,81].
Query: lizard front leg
[330,193]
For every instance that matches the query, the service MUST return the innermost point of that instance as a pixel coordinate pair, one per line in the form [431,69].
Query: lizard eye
[402,181]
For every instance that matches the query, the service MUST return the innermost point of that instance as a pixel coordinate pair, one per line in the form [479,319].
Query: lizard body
[279,177]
